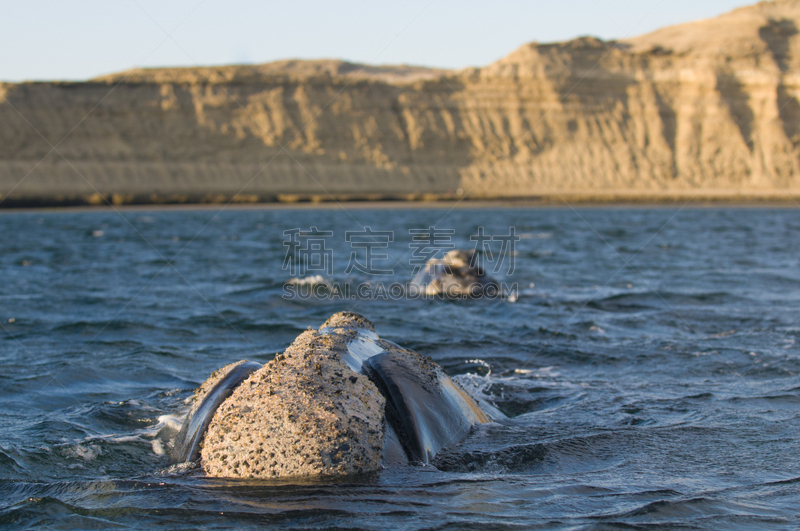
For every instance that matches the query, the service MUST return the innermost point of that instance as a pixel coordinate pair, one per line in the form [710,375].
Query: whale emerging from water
[455,275]
[339,400]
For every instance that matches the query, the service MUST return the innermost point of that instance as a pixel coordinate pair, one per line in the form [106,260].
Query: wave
[314,280]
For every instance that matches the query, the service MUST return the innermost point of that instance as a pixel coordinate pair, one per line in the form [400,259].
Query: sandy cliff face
[703,109]
[708,107]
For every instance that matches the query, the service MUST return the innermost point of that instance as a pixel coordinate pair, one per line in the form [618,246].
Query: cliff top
[750,33]
[765,28]
[289,69]
[741,32]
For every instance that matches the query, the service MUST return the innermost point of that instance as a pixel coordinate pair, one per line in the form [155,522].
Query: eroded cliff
[706,109]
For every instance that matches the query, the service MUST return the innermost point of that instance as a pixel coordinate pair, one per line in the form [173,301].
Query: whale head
[340,400]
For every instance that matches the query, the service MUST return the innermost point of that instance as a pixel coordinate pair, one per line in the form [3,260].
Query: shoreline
[549,201]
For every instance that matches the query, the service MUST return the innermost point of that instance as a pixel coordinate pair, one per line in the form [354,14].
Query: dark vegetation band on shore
[101,201]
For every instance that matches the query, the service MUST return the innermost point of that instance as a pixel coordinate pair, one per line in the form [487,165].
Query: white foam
[170,422]
[542,372]
[158,447]
[483,363]
[87,453]
[314,280]
[477,387]
[123,438]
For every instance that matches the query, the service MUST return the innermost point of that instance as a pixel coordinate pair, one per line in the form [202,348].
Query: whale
[456,275]
[339,400]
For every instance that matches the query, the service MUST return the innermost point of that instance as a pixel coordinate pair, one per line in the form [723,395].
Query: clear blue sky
[80,39]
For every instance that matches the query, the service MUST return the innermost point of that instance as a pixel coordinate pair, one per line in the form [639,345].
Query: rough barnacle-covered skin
[338,401]
[303,414]
[342,320]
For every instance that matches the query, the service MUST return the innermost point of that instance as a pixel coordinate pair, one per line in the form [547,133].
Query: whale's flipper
[425,409]
[424,406]
[187,444]
[392,453]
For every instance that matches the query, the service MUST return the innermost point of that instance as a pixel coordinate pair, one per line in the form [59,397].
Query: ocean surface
[648,363]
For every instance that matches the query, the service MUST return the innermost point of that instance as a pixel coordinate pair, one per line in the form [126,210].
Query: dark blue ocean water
[649,367]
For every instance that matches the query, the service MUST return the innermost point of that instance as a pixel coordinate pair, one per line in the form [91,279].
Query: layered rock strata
[709,109]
